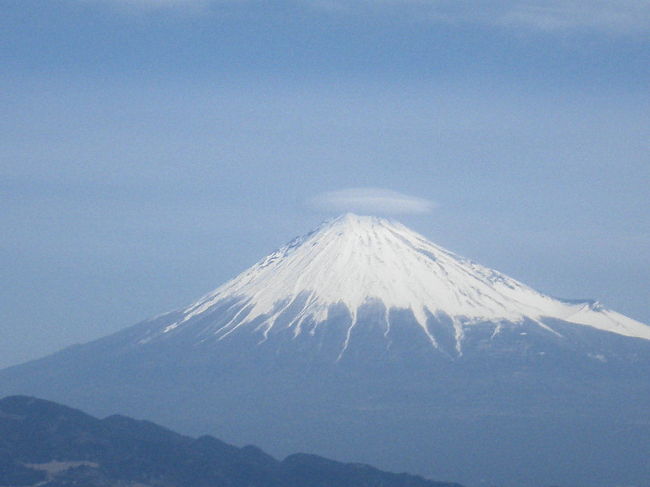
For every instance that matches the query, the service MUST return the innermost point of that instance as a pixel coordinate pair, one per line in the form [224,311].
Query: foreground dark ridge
[46,444]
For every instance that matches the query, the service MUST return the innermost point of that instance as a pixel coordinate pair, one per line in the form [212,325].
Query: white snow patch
[353,259]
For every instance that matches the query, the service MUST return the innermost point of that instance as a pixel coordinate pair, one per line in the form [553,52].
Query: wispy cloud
[619,15]
[371,200]
[544,15]
[192,6]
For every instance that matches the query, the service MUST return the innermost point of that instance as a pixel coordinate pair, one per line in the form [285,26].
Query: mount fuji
[363,341]
[352,263]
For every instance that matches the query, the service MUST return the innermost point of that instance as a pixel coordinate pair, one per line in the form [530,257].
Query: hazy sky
[150,150]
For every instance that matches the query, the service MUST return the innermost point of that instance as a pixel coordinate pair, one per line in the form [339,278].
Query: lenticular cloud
[371,200]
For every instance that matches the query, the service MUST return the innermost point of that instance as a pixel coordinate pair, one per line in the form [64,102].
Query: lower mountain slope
[48,445]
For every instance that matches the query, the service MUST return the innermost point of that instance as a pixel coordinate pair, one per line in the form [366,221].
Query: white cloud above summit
[371,201]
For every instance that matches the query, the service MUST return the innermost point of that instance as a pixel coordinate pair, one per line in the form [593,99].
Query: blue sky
[150,150]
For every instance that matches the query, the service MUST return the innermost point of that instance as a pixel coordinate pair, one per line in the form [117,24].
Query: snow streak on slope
[353,259]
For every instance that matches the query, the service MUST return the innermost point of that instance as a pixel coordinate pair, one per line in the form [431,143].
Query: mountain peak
[351,223]
[367,322]
[352,261]
[352,220]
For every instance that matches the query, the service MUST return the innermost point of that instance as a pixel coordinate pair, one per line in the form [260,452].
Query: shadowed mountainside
[43,443]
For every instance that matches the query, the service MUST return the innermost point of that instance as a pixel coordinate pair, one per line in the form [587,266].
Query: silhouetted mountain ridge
[50,445]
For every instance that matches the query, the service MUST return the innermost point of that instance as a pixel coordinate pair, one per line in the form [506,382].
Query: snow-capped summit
[356,260]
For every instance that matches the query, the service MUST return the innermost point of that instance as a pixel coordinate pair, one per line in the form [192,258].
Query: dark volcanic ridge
[45,444]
